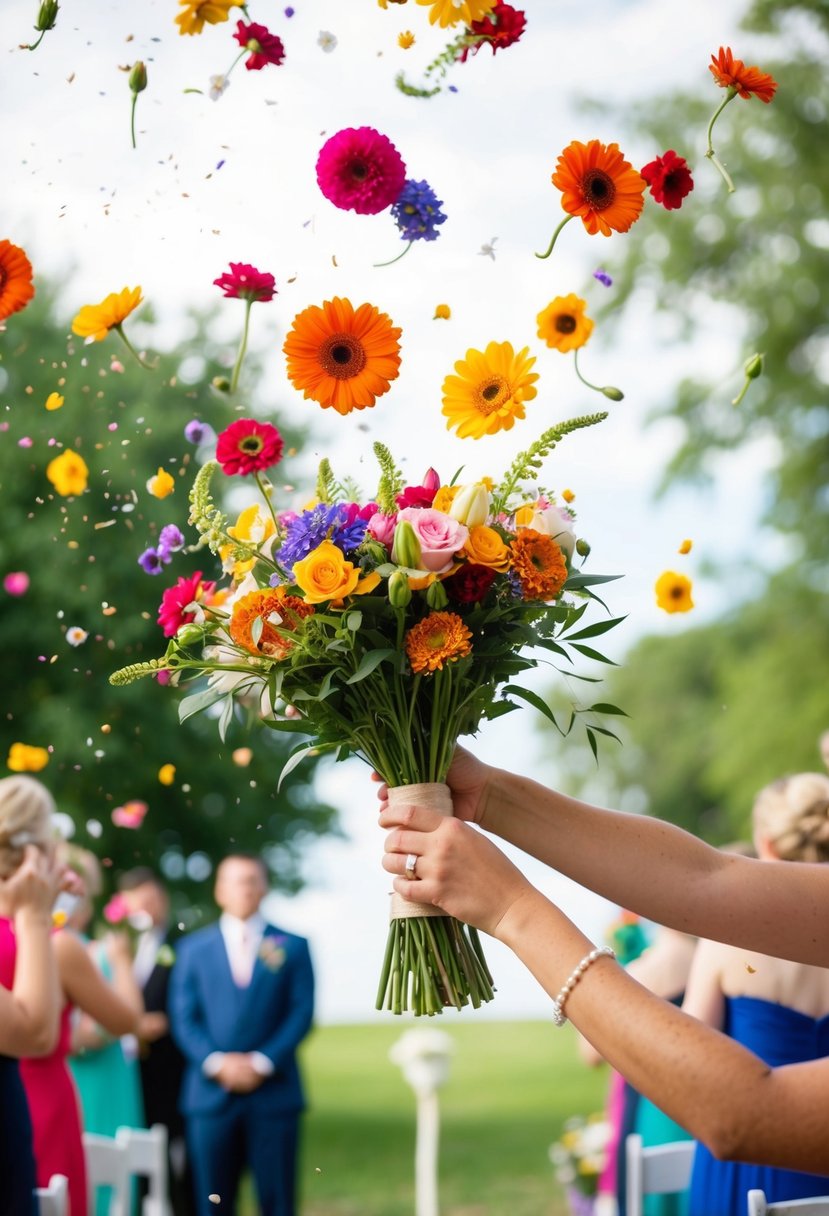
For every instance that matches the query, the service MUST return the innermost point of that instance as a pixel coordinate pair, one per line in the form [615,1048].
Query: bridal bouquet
[384,628]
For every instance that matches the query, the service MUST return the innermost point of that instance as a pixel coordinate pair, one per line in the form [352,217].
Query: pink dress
[52,1098]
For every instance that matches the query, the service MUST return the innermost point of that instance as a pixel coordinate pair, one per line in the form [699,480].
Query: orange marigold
[15,279]
[539,565]
[272,602]
[598,184]
[437,639]
[731,73]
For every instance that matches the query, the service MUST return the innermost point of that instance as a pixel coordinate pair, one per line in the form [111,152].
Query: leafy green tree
[108,745]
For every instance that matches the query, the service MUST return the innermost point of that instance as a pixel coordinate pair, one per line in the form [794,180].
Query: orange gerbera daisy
[600,186]
[96,320]
[439,638]
[489,390]
[342,357]
[731,73]
[271,607]
[539,565]
[16,288]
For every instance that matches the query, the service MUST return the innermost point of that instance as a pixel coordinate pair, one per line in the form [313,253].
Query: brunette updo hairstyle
[26,810]
[793,815]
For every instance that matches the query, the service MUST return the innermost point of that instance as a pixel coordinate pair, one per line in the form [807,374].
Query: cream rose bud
[440,536]
[470,505]
[557,523]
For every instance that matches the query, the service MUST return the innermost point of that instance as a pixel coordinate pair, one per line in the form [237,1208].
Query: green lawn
[512,1086]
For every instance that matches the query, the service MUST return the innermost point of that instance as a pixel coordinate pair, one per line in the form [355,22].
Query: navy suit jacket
[208,1012]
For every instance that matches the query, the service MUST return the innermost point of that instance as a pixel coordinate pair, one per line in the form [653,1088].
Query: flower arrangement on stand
[385,628]
[578,1160]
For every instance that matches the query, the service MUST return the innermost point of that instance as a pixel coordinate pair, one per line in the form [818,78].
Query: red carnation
[248,446]
[502,27]
[171,614]
[669,179]
[264,46]
[245,282]
[416,496]
[470,584]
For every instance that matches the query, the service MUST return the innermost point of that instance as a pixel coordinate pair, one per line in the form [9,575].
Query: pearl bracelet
[559,1018]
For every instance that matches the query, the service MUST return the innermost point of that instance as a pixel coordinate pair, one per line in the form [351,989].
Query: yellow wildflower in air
[167,774]
[161,485]
[405,40]
[673,592]
[686,547]
[489,390]
[54,401]
[451,12]
[68,473]
[25,759]
[95,321]
[442,312]
[563,324]
[194,14]
[568,495]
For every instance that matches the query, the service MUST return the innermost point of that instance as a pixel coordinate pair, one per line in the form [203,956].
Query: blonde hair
[793,815]
[26,809]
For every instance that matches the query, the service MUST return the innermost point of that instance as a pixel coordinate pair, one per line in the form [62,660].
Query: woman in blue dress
[777,1009]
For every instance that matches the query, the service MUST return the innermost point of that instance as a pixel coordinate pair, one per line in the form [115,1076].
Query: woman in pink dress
[52,1099]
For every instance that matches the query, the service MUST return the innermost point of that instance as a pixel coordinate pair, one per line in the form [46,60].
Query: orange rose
[485,547]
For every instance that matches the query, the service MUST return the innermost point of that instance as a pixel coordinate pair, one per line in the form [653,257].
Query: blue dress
[778,1035]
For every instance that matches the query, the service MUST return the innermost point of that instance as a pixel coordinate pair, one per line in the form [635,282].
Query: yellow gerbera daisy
[489,390]
[454,12]
[96,320]
[195,13]
[563,324]
[673,592]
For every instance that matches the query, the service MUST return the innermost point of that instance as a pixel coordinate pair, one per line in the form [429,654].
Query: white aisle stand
[423,1056]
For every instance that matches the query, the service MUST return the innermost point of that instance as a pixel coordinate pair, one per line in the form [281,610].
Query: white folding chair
[107,1165]
[53,1200]
[757,1206]
[661,1170]
[147,1158]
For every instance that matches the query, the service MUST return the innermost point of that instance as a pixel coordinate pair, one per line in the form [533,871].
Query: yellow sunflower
[437,639]
[489,390]
[452,12]
[563,324]
[673,592]
[343,357]
[194,14]
[96,320]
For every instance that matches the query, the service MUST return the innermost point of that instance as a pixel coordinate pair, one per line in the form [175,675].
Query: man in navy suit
[241,1002]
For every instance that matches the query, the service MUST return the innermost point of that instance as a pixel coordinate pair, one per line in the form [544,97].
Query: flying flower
[673,592]
[175,602]
[167,774]
[68,473]
[538,563]
[601,276]
[170,540]
[417,212]
[599,186]
[341,357]
[16,289]
[439,638]
[489,390]
[130,815]
[442,312]
[248,446]
[162,484]
[563,324]
[405,40]
[568,496]
[137,81]
[499,29]
[152,561]
[487,250]
[95,321]
[669,179]
[753,367]
[264,46]
[23,758]
[452,12]
[218,85]
[739,81]
[358,169]
[76,636]
[53,402]
[16,583]
[685,547]
[198,432]
[245,282]
[327,41]
[195,13]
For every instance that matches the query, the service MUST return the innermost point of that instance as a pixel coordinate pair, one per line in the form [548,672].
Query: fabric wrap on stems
[437,796]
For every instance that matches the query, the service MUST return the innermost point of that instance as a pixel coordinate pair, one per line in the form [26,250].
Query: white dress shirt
[242,939]
[149,944]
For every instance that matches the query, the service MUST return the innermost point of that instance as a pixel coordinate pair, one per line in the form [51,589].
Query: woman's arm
[86,988]
[30,1012]
[704,996]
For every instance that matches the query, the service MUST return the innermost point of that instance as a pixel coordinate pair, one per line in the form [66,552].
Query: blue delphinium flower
[307,531]
[417,212]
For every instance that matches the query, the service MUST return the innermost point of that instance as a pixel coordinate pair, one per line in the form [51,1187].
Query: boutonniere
[272,952]
[166,956]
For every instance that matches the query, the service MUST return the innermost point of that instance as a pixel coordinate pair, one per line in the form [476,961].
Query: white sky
[99,215]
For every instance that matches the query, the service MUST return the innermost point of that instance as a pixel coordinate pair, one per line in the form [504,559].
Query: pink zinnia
[245,282]
[264,46]
[360,170]
[171,610]
[248,446]
[669,179]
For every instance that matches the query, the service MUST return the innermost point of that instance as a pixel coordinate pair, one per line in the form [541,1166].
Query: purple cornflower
[417,212]
[198,432]
[308,530]
[170,540]
[152,562]
[603,277]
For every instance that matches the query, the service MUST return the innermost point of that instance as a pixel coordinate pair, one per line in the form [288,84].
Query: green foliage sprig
[391,480]
[526,464]
[205,516]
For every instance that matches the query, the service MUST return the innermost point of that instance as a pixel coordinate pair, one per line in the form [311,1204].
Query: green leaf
[368,663]
[353,621]
[298,726]
[604,731]
[499,708]
[590,653]
[226,718]
[577,581]
[591,739]
[296,757]
[533,699]
[197,702]
[593,631]
[604,707]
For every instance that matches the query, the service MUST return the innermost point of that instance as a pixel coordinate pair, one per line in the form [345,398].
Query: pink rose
[381,527]
[117,910]
[440,536]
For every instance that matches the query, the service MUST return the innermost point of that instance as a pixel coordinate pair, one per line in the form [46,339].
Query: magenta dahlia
[245,282]
[360,170]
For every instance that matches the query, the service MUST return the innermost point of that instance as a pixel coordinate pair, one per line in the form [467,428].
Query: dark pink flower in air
[264,46]
[360,170]
[244,282]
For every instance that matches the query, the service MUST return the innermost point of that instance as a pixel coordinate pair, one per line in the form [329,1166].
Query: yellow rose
[485,547]
[26,759]
[444,498]
[68,473]
[325,574]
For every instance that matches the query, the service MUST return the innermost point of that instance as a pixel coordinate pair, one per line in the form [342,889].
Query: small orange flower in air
[600,186]
[16,288]
[686,547]
[731,73]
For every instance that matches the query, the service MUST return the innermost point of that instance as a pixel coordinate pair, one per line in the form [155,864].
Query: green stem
[243,346]
[377,265]
[132,118]
[34,45]
[244,51]
[147,366]
[554,238]
[710,153]
[736,400]
[258,479]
